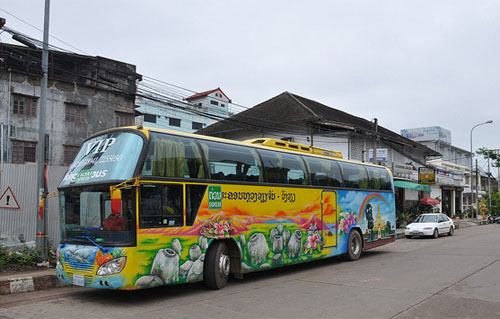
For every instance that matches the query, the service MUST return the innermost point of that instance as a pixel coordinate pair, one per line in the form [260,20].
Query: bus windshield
[86,217]
[107,157]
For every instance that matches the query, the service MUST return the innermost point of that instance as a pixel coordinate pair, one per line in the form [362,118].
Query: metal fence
[19,201]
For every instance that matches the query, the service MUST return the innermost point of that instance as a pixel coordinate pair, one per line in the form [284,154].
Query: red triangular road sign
[8,200]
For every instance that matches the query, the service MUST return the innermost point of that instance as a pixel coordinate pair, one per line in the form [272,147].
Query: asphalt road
[448,277]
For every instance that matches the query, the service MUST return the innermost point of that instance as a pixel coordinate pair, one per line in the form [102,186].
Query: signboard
[214,197]
[8,200]
[381,155]
[403,171]
[432,133]
[426,175]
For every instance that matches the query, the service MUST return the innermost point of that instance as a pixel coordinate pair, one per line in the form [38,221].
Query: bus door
[329,218]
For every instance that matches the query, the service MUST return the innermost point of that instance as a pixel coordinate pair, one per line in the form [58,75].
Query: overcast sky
[407,63]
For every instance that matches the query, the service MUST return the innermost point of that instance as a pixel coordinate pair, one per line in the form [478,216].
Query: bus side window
[283,168]
[161,205]
[355,176]
[375,177]
[173,156]
[231,162]
[323,172]
[194,197]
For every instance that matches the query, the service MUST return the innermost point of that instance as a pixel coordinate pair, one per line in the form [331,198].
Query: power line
[35,27]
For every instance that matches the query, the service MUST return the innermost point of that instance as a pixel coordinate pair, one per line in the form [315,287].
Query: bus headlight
[112,267]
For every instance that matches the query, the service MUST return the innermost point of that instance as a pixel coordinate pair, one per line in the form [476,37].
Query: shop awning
[413,186]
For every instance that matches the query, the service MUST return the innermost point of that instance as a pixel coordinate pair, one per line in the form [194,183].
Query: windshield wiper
[90,240]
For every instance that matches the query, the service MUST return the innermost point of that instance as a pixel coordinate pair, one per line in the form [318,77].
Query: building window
[24,105]
[124,119]
[23,152]
[197,125]
[76,113]
[222,105]
[174,122]
[70,153]
[151,118]
[214,102]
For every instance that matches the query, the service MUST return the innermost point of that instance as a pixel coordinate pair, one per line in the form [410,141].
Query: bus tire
[216,265]
[354,246]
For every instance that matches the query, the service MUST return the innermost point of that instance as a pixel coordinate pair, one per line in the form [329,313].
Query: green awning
[410,185]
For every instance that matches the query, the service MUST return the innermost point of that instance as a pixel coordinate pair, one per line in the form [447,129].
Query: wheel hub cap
[224,264]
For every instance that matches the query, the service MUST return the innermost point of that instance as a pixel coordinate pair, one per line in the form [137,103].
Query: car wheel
[408,236]
[216,265]
[435,234]
[354,246]
[450,233]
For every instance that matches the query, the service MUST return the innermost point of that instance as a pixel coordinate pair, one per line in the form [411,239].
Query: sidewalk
[29,281]
[46,279]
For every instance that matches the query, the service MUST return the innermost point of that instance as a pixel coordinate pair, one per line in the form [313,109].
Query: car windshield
[426,219]
[85,214]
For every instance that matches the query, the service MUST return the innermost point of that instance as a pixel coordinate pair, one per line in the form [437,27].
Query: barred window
[23,152]
[124,119]
[197,125]
[70,153]
[76,113]
[174,122]
[24,105]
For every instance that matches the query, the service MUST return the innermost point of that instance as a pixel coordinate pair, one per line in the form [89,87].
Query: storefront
[408,194]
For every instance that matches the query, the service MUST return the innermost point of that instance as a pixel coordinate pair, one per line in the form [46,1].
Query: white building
[196,112]
[452,185]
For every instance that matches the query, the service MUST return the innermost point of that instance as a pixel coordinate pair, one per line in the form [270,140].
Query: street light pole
[472,164]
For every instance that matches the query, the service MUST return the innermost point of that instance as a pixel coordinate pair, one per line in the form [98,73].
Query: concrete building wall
[102,87]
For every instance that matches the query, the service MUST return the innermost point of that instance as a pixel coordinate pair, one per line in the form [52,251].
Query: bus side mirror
[116,201]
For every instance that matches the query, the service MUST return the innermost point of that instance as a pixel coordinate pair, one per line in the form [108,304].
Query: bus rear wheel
[354,246]
[216,265]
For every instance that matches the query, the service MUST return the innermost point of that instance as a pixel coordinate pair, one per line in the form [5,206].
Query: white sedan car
[430,225]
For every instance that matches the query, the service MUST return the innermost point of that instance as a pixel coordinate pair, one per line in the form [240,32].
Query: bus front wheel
[354,246]
[217,265]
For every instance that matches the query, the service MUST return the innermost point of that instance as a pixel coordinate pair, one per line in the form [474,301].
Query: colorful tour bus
[144,207]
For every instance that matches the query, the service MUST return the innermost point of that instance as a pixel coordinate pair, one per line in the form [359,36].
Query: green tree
[495,204]
[491,154]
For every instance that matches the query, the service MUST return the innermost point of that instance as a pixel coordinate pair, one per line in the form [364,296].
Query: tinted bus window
[161,205]
[283,168]
[232,162]
[323,172]
[355,176]
[379,178]
[173,156]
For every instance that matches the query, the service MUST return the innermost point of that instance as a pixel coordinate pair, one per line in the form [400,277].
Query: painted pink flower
[312,240]
[345,225]
[220,228]
[351,218]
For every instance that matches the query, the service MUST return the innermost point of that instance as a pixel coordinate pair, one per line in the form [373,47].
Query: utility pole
[489,186]
[477,189]
[41,236]
[375,129]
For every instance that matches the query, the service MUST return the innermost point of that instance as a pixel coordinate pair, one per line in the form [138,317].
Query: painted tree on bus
[369,219]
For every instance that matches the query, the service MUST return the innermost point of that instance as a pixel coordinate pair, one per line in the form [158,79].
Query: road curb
[22,283]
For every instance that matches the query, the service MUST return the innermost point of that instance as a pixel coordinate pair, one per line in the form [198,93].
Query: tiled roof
[201,94]
[291,112]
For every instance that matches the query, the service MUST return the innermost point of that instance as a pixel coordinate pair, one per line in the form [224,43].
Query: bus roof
[316,151]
